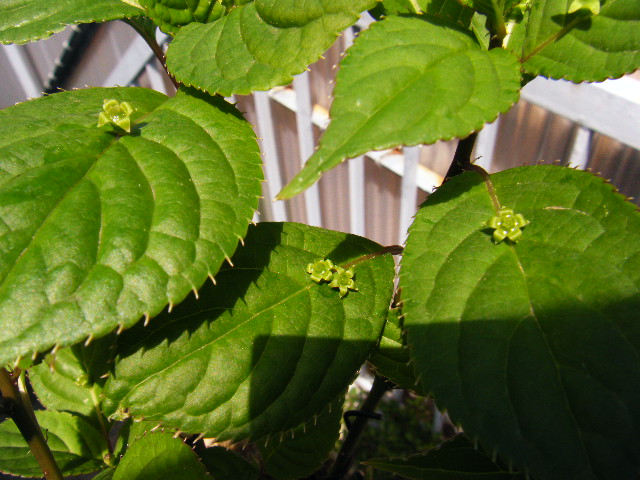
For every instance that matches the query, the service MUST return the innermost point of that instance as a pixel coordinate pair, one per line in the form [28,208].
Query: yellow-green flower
[116,114]
[507,224]
[320,270]
[343,280]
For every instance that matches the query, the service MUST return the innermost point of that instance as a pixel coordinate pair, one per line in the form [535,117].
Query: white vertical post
[486,144]
[271,161]
[306,143]
[579,157]
[356,175]
[408,190]
[356,195]
[24,69]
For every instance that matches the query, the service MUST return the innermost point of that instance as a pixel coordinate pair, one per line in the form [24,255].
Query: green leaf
[264,350]
[391,357]
[579,46]
[409,81]
[106,474]
[224,464]
[170,15]
[303,450]
[24,21]
[160,455]
[511,338]
[76,445]
[131,431]
[453,460]
[70,379]
[99,229]
[242,52]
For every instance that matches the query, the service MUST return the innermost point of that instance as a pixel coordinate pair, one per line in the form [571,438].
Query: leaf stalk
[155,48]
[22,414]
[345,455]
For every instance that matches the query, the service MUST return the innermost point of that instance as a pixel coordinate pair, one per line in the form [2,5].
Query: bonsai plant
[138,299]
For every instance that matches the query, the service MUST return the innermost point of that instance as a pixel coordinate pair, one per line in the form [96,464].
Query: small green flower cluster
[323,270]
[507,224]
[117,114]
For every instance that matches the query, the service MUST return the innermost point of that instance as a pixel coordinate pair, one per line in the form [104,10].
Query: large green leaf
[264,350]
[408,81]
[302,451]
[160,455]
[532,346]
[243,52]
[99,229]
[456,459]
[24,21]
[76,445]
[580,47]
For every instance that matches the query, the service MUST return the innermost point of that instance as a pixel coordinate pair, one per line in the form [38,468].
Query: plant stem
[23,416]
[155,48]
[345,455]
[462,158]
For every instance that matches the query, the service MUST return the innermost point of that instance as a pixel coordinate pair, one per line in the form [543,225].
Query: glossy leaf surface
[24,21]
[76,445]
[243,52]
[456,459]
[160,455]
[99,229]
[409,81]
[511,338]
[264,350]
[580,46]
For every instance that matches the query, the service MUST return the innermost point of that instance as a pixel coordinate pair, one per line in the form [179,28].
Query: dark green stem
[155,48]
[22,414]
[462,157]
[345,455]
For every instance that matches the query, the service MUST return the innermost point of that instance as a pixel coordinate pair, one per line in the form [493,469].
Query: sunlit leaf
[265,349]
[99,228]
